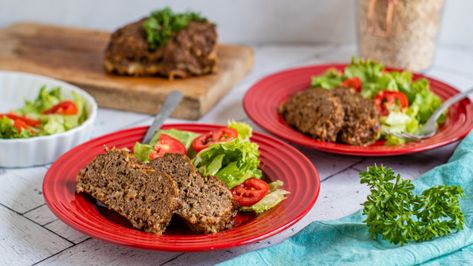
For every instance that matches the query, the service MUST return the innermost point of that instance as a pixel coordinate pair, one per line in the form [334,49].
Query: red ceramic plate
[278,161]
[263,99]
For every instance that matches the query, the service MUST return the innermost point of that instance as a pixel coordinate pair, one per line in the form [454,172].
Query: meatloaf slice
[143,195]
[207,204]
[189,52]
[361,121]
[316,112]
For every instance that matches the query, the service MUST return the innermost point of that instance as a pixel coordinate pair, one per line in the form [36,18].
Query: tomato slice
[26,120]
[386,98]
[167,144]
[250,192]
[354,83]
[220,135]
[67,107]
[20,125]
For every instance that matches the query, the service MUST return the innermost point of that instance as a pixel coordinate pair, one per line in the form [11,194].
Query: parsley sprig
[162,24]
[396,214]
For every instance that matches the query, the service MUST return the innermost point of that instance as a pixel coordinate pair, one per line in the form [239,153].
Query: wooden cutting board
[75,56]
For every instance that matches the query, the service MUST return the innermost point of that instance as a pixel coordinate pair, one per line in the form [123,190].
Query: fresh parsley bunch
[396,214]
[162,24]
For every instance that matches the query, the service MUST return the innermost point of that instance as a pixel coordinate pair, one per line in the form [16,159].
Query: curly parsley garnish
[162,24]
[397,215]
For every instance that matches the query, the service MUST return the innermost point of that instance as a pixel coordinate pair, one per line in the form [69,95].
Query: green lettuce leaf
[45,100]
[244,130]
[274,197]
[331,79]
[185,137]
[142,151]
[8,131]
[233,161]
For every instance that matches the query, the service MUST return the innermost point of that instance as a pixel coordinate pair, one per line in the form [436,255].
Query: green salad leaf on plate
[234,161]
[275,196]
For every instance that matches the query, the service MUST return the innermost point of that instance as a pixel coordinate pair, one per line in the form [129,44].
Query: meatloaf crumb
[143,195]
[315,112]
[361,122]
[207,204]
[189,52]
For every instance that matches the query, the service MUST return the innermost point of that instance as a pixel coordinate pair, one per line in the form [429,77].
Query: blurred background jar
[399,33]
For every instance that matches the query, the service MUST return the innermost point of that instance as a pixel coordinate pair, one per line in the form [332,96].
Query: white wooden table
[31,234]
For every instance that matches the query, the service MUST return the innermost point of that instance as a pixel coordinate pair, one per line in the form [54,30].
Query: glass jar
[399,33]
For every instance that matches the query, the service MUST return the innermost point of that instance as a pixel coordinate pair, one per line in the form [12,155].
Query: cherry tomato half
[67,107]
[386,98]
[250,192]
[354,83]
[167,144]
[220,135]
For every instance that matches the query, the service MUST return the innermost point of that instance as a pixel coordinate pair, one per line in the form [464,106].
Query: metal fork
[430,127]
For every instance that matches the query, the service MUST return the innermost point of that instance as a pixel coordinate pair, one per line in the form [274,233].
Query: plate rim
[202,248]
[341,148]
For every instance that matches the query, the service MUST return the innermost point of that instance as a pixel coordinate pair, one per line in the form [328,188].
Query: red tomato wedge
[167,144]
[250,192]
[354,83]
[223,134]
[20,125]
[26,120]
[67,107]
[386,98]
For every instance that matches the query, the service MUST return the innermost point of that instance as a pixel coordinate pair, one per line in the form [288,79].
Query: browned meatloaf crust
[361,121]
[338,115]
[314,112]
[191,51]
[143,195]
[207,204]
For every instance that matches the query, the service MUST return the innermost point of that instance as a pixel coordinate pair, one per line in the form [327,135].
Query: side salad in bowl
[49,113]
[226,153]
[41,118]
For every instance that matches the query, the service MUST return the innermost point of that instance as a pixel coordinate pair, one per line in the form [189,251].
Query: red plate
[263,99]
[278,161]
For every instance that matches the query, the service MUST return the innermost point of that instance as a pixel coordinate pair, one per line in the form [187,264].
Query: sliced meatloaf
[361,121]
[207,204]
[143,195]
[189,52]
[315,112]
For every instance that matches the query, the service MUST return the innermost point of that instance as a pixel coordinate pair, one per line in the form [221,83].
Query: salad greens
[40,122]
[8,131]
[234,161]
[396,214]
[422,102]
[163,23]
[273,198]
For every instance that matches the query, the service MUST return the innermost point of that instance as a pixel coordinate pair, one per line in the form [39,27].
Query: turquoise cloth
[346,241]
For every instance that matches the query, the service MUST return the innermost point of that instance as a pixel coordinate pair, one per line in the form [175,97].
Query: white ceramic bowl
[15,88]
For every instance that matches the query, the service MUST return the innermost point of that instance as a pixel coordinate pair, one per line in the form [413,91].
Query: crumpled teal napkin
[346,241]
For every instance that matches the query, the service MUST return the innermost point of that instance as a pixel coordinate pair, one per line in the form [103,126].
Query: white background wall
[240,21]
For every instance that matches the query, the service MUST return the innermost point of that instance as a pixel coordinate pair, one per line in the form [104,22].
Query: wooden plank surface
[75,55]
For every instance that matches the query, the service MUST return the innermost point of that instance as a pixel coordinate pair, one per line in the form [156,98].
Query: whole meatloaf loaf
[189,52]
[146,197]
[207,204]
